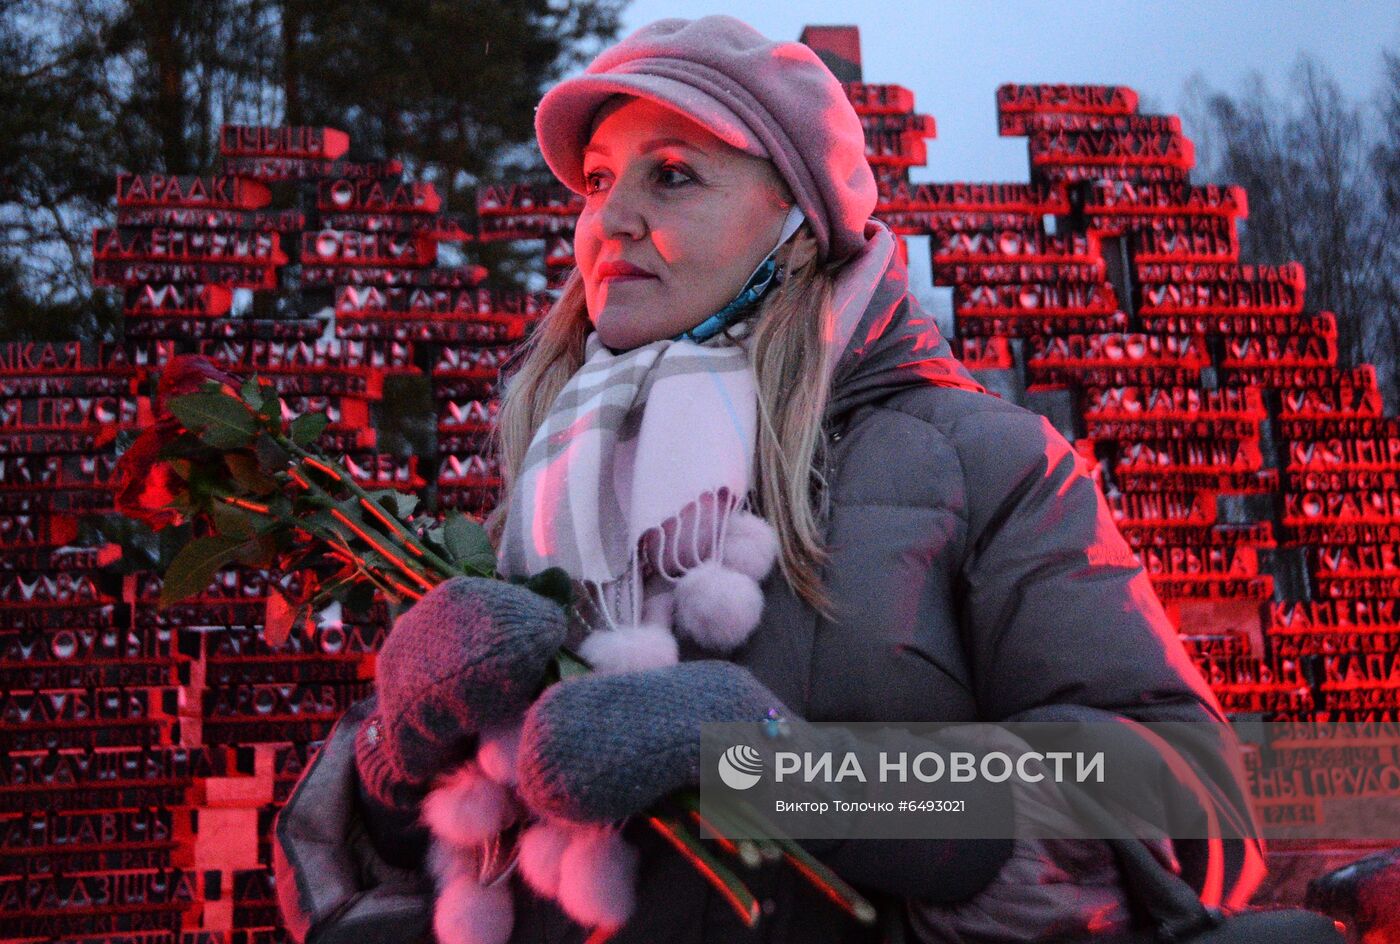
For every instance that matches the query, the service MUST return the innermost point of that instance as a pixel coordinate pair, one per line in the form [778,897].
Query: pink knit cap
[773,100]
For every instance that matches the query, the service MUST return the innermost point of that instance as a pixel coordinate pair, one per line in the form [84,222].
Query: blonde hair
[791,364]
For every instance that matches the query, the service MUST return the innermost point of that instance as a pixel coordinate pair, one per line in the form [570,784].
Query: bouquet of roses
[224,455]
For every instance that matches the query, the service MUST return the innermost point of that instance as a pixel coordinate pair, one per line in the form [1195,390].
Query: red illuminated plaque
[341,248]
[507,200]
[1285,351]
[1259,534]
[159,190]
[469,361]
[1138,173]
[1163,457]
[1167,506]
[1056,298]
[1109,350]
[378,470]
[1022,123]
[199,218]
[1330,641]
[1284,377]
[1172,402]
[1370,506]
[41,357]
[973,324]
[540,224]
[1112,147]
[1361,560]
[979,273]
[189,245]
[230,274]
[307,168]
[896,148]
[1115,197]
[260,141]
[175,300]
[424,302]
[989,353]
[1029,245]
[1080,99]
[1356,393]
[65,413]
[329,355]
[470,470]
[1327,616]
[444,227]
[1208,562]
[326,275]
[1169,289]
[921,125]
[868,99]
[1337,454]
[1176,238]
[376,196]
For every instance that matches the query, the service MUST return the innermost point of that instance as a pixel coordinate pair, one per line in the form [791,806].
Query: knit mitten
[600,748]
[471,653]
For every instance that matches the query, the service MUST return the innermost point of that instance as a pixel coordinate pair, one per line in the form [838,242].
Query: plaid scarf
[632,441]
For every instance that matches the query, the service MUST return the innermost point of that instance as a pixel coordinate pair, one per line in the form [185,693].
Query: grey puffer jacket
[978,576]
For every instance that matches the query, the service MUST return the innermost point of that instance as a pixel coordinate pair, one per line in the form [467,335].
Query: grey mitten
[603,747]
[471,653]
[600,748]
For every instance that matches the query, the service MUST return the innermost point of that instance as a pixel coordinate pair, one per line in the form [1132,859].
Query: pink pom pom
[496,752]
[467,808]
[540,849]
[628,648]
[750,545]
[467,913]
[717,607]
[598,878]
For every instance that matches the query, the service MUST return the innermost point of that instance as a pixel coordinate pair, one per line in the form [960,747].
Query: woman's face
[667,197]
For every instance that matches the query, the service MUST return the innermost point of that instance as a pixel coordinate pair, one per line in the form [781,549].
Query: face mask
[764,277]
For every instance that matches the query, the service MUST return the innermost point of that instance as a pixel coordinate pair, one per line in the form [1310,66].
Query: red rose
[186,374]
[145,483]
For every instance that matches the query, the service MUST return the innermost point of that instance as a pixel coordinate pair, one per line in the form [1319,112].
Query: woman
[923,551]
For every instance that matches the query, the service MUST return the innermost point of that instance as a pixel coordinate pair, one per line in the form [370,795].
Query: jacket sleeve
[1061,623]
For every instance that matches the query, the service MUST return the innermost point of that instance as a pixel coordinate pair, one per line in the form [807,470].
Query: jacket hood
[890,342]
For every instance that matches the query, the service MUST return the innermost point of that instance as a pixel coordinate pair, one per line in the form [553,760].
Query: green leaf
[399,504]
[194,567]
[244,466]
[554,583]
[252,393]
[184,446]
[308,428]
[468,545]
[220,420]
[232,522]
[271,456]
[259,551]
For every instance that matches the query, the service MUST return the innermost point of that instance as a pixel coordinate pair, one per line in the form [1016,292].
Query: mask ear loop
[765,276]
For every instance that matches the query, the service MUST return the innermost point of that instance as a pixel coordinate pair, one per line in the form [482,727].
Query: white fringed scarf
[634,444]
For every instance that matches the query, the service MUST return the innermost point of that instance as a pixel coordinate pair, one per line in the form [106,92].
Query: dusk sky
[954,55]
